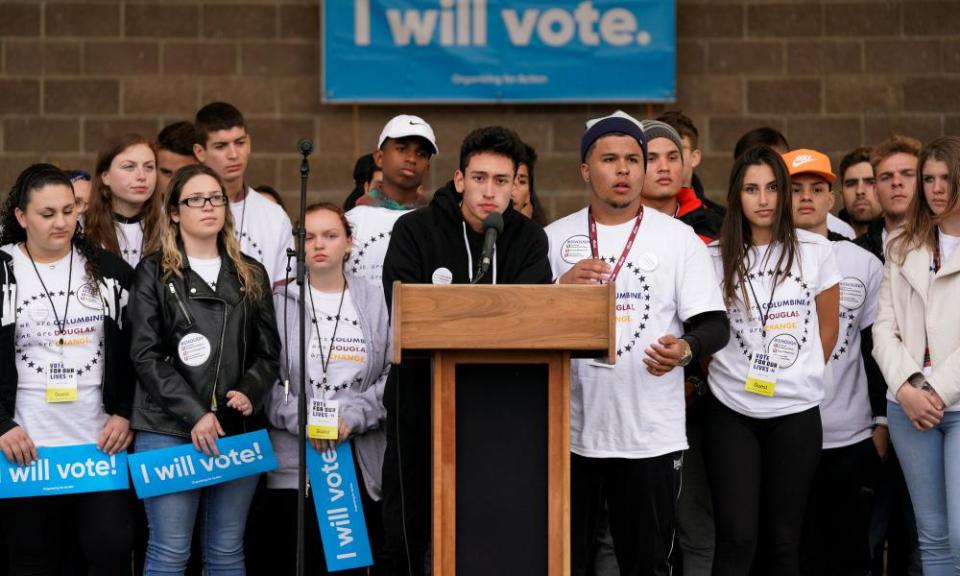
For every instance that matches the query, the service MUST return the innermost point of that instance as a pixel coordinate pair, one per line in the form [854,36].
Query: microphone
[305,146]
[492,227]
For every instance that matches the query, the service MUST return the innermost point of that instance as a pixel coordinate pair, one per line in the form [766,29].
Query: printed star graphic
[39,370]
[835,357]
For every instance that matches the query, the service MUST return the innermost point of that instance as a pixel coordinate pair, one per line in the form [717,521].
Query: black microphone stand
[305,147]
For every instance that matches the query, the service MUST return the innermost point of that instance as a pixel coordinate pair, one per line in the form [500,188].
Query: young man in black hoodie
[441,244]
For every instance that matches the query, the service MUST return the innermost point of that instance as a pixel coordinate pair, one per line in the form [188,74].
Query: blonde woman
[205,349]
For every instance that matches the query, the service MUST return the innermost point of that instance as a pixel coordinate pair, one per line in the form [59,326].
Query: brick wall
[830,74]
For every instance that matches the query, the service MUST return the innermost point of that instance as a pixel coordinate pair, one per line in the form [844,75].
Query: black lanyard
[61,325]
[773,290]
[936,251]
[324,363]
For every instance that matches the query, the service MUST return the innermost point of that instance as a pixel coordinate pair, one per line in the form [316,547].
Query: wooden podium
[501,415]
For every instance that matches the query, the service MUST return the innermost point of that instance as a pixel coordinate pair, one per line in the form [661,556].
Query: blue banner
[336,496]
[181,468]
[64,470]
[499,50]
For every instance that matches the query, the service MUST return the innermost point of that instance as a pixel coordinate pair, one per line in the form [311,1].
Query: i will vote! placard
[181,468]
[64,470]
[336,497]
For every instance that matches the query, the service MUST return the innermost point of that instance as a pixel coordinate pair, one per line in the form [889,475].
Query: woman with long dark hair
[125,206]
[763,432]
[63,302]
[205,349]
[917,346]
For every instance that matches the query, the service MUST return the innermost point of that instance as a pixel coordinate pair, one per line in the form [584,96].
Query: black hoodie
[432,237]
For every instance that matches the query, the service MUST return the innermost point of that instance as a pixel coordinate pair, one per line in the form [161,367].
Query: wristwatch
[687,355]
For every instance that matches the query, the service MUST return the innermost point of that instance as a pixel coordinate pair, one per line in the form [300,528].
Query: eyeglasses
[216,201]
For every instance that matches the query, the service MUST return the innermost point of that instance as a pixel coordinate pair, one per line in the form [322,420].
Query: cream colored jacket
[916,310]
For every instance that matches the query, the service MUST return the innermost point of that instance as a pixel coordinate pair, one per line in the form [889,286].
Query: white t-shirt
[840,227]
[264,232]
[623,411]
[792,326]
[347,362]
[846,413]
[372,227]
[207,268]
[130,240]
[38,347]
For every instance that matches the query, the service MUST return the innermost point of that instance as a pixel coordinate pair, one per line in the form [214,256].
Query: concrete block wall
[830,74]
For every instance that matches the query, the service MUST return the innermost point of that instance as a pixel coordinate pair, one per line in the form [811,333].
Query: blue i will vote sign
[64,470]
[181,468]
[336,497]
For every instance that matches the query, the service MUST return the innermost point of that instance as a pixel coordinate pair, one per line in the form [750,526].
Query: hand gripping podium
[501,415]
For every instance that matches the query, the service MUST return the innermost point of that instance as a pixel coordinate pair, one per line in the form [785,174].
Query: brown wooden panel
[503,317]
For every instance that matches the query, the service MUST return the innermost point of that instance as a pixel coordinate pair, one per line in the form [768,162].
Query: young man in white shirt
[837,529]
[404,149]
[262,228]
[627,418]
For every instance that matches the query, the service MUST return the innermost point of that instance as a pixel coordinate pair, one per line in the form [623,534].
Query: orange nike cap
[806,161]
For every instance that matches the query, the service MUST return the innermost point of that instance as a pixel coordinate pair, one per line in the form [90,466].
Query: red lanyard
[595,248]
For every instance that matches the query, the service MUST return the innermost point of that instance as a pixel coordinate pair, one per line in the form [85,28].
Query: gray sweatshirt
[361,407]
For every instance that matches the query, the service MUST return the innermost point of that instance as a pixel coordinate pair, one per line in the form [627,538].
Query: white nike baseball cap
[404,126]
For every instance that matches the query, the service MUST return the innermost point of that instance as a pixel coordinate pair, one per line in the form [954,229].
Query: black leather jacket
[191,345]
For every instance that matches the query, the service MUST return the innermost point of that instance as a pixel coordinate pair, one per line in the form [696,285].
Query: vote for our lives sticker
[89,296]
[194,349]
[762,376]
[323,421]
[852,293]
[575,249]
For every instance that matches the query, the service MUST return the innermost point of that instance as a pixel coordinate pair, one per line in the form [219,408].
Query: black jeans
[760,473]
[641,496]
[836,535]
[41,533]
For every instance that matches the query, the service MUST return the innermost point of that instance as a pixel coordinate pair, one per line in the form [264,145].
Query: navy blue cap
[617,122]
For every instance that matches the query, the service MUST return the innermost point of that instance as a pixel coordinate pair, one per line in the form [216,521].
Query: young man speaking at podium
[443,243]
[627,432]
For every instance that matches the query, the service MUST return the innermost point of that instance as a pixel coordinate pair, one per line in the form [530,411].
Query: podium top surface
[577,318]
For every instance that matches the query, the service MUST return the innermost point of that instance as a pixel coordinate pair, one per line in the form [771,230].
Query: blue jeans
[223,517]
[931,466]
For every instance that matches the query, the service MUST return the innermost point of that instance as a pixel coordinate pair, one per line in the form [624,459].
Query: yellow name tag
[61,383]
[323,420]
[762,376]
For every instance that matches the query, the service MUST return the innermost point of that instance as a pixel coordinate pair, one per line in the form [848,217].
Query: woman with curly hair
[66,378]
